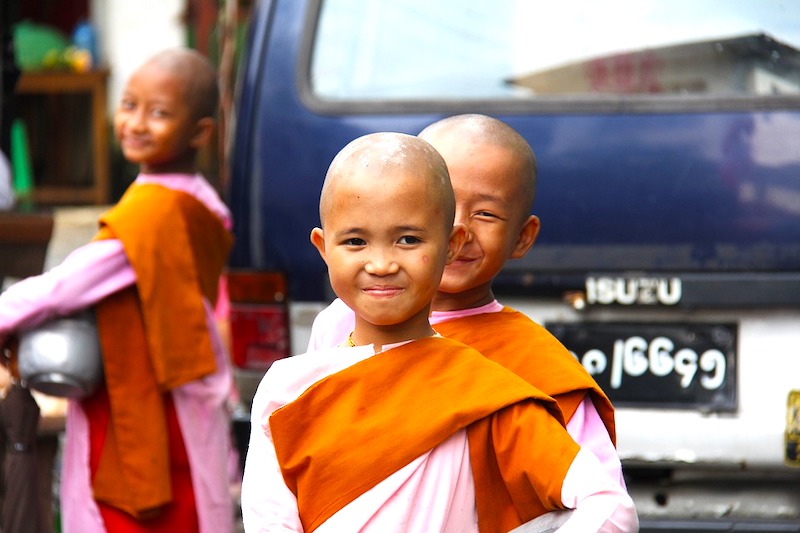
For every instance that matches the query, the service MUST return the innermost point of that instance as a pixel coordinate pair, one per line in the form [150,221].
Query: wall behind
[129,32]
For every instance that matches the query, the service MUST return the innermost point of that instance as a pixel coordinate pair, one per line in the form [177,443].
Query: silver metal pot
[62,357]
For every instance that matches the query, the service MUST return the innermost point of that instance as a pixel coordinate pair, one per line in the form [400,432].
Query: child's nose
[381,264]
[136,120]
[469,236]
[464,219]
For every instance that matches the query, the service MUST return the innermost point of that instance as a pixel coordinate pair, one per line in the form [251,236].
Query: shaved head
[197,74]
[382,156]
[484,130]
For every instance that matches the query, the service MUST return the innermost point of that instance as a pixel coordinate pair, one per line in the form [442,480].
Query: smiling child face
[386,235]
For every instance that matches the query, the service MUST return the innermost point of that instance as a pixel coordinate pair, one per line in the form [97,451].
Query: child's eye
[485,214]
[409,239]
[127,105]
[159,113]
[355,241]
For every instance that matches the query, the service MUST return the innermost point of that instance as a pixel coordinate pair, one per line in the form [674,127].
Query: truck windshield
[518,49]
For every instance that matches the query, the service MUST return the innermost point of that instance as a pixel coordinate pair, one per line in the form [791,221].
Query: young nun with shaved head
[148,450]
[494,172]
[398,428]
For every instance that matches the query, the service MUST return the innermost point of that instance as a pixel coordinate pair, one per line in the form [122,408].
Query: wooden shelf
[54,106]
[24,238]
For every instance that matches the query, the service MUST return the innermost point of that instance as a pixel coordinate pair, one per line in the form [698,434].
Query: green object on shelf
[21,167]
[38,46]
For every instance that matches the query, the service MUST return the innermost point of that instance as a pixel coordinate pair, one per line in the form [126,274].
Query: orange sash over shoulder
[154,336]
[530,351]
[352,429]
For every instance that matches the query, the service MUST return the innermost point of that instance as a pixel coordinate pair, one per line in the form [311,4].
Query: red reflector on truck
[259,320]
[259,335]
[251,286]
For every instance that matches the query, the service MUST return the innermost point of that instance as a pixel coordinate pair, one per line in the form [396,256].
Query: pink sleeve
[599,503]
[587,429]
[267,503]
[86,276]
[222,308]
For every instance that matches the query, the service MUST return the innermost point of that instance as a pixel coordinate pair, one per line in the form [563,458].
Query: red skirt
[181,513]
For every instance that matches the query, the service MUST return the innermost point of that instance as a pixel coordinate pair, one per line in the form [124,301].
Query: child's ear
[318,240]
[457,239]
[527,236]
[202,132]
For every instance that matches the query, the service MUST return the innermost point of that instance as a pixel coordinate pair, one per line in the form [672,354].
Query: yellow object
[78,59]
[792,435]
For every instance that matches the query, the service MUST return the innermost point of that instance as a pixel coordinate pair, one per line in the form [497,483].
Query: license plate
[689,366]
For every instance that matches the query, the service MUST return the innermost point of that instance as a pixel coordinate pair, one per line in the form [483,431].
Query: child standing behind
[493,172]
[398,428]
[148,450]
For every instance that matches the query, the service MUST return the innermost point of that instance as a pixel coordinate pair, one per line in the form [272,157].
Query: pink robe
[334,323]
[435,492]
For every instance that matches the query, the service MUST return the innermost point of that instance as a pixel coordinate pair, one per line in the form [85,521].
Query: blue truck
[669,193]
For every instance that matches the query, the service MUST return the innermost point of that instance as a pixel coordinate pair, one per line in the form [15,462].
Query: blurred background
[69,60]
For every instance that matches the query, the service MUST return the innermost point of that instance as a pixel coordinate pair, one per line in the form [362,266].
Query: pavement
[73,227]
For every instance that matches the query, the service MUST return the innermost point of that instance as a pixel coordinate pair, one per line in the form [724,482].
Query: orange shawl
[530,351]
[154,336]
[354,428]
